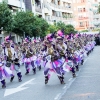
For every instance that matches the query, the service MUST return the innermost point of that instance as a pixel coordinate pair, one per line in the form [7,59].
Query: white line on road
[70,79]
[69,85]
[85,61]
[65,86]
[17,89]
[28,82]
[56,98]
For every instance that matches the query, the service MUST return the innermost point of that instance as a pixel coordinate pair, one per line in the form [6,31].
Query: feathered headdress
[60,33]
[8,38]
[49,37]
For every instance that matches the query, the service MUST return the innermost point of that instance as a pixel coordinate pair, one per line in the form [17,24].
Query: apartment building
[83,15]
[96,15]
[15,5]
[51,10]
[58,10]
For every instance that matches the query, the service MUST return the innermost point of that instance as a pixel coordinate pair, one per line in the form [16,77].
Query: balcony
[83,18]
[38,8]
[15,3]
[96,16]
[58,8]
[96,22]
[68,1]
[60,18]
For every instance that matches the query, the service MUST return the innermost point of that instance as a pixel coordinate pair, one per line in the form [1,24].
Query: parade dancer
[51,63]
[2,79]
[12,58]
[38,49]
[16,63]
[5,72]
[29,57]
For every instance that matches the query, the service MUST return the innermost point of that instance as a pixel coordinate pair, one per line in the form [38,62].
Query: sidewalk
[87,84]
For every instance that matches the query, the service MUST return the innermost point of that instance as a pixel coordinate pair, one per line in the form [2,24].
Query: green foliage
[98,29]
[26,22]
[60,25]
[84,31]
[6,17]
[52,28]
[40,27]
[30,24]
[99,8]
[23,22]
[67,28]
[70,29]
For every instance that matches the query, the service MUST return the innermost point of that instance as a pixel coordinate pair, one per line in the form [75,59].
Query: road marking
[85,61]
[64,86]
[70,79]
[19,88]
[70,83]
[56,98]
[90,76]
[26,82]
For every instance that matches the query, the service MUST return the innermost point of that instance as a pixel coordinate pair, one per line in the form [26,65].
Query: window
[58,2]
[82,1]
[79,9]
[84,9]
[81,24]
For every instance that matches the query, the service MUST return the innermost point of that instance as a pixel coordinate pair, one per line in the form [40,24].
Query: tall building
[15,5]
[58,10]
[83,14]
[52,10]
[96,15]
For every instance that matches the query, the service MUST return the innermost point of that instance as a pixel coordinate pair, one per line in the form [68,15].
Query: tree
[40,27]
[23,22]
[70,29]
[60,25]
[30,24]
[99,8]
[52,28]
[67,28]
[6,17]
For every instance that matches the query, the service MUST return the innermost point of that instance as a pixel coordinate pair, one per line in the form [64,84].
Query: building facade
[58,10]
[52,10]
[82,15]
[96,15]
[15,5]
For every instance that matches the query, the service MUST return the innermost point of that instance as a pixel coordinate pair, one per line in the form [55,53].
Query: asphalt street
[84,87]
[87,84]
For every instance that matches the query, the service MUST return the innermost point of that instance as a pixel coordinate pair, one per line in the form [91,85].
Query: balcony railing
[15,3]
[69,1]
[83,18]
[60,18]
[38,9]
[58,7]
[96,23]
[97,16]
